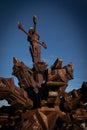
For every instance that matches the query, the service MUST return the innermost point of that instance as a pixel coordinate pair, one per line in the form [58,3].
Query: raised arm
[34,21]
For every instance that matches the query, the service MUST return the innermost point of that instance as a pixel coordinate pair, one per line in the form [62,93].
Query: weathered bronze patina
[40,101]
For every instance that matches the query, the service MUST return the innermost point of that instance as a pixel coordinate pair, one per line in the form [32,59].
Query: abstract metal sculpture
[40,102]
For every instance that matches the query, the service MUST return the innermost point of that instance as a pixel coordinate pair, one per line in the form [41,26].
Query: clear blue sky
[62,24]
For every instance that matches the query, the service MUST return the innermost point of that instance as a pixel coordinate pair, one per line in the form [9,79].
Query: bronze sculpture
[40,102]
[33,38]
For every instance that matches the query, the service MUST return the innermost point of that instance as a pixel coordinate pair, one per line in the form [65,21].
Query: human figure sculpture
[40,101]
[33,38]
[35,50]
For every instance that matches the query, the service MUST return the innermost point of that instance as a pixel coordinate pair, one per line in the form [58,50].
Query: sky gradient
[62,24]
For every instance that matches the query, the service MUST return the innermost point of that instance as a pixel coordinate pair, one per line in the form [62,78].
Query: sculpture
[33,38]
[40,102]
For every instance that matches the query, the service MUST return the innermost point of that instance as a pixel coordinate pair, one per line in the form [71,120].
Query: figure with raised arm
[33,38]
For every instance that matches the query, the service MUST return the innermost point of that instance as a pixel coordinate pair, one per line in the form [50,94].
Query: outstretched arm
[35,21]
[21,27]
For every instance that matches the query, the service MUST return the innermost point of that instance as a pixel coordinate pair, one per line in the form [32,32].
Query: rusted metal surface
[40,102]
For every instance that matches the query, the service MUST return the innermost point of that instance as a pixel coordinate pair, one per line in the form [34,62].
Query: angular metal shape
[40,102]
